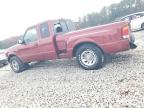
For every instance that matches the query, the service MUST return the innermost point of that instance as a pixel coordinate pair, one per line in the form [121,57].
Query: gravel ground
[63,84]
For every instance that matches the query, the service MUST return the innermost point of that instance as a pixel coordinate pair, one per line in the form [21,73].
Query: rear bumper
[132,44]
[118,46]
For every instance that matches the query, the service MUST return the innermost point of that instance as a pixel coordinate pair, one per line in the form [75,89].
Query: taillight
[125,32]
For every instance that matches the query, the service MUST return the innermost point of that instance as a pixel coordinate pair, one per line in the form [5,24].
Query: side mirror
[20,41]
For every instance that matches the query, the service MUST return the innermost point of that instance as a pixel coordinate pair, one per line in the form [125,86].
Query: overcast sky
[17,15]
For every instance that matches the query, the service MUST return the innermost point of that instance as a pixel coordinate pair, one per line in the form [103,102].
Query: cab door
[61,28]
[29,49]
[46,44]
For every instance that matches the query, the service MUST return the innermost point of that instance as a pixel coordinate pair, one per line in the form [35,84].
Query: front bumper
[4,61]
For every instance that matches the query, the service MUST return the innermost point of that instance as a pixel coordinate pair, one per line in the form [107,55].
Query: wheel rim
[15,65]
[89,57]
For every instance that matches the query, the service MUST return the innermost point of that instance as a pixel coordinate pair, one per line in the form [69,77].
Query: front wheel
[142,26]
[89,57]
[16,64]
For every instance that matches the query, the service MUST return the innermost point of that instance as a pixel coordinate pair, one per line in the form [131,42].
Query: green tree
[109,14]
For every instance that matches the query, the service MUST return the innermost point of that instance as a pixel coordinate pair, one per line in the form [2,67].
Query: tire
[16,64]
[89,57]
[142,26]
[26,65]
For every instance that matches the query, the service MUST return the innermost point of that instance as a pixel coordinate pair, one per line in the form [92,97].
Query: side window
[127,18]
[134,17]
[31,36]
[138,15]
[70,25]
[60,27]
[64,26]
[44,30]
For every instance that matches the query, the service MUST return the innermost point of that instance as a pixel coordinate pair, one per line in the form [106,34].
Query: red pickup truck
[58,39]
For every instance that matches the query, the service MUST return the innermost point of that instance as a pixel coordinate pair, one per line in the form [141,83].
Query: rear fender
[76,44]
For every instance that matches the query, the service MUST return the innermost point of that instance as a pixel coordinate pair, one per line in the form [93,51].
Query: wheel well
[80,44]
[10,56]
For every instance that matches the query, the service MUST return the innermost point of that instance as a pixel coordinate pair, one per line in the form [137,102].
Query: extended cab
[58,39]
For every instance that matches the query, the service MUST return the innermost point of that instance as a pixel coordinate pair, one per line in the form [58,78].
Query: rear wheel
[89,57]
[16,64]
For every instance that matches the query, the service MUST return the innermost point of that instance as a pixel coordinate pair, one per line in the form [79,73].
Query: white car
[3,58]
[136,20]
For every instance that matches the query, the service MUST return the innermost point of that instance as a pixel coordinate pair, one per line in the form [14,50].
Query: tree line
[109,14]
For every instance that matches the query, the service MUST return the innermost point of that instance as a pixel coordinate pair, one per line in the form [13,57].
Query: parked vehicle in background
[3,58]
[136,20]
[57,39]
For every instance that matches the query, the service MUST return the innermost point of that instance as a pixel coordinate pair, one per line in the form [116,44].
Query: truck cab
[39,41]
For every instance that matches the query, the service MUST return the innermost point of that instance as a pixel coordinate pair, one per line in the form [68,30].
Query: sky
[17,15]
